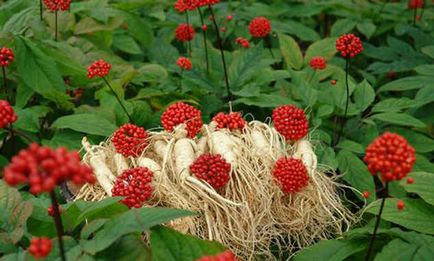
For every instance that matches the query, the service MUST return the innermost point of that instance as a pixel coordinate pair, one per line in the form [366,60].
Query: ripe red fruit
[260,27]
[6,56]
[410,180]
[213,169]
[204,27]
[391,156]
[130,140]
[180,6]
[183,5]
[56,5]
[229,18]
[349,45]
[184,63]
[225,256]
[224,29]
[99,68]
[43,168]
[243,42]
[7,114]
[318,63]
[333,82]
[184,33]
[201,3]
[366,194]
[232,121]
[290,174]
[290,121]
[135,186]
[400,205]
[181,113]
[50,210]
[415,4]
[40,247]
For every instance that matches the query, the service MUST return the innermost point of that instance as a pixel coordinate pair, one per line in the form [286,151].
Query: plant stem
[269,45]
[40,10]
[21,134]
[59,225]
[219,42]
[377,222]
[312,76]
[118,99]
[187,18]
[55,26]
[5,81]
[414,16]
[205,44]
[347,67]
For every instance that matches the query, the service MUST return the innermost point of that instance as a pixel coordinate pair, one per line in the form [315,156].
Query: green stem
[40,10]
[5,81]
[347,67]
[187,18]
[205,44]
[118,99]
[55,26]
[58,222]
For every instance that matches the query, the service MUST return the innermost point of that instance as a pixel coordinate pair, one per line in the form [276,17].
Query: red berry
[232,121]
[229,18]
[55,5]
[213,169]
[40,247]
[99,68]
[130,140]
[180,6]
[204,27]
[415,4]
[366,194]
[290,174]
[290,121]
[260,27]
[184,63]
[349,45]
[43,168]
[391,75]
[201,3]
[391,156]
[50,210]
[135,186]
[400,205]
[333,82]
[184,33]
[318,63]
[224,29]
[410,180]
[225,256]
[243,42]
[6,56]
[181,113]
[184,5]
[7,114]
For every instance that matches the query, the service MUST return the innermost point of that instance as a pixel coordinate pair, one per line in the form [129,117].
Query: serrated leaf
[29,118]
[351,146]
[86,123]
[401,119]
[101,209]
[170,245]
[423,185]
[290,51]
[265,101]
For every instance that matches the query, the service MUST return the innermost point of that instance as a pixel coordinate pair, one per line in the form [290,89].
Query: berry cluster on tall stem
[6,58]
[393,158]
[56,6]
[415,5]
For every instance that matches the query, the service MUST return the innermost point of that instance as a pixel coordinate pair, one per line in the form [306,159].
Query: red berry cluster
[201,3]
[184,33]
[184,63]
[50,210]
[290,121]
[56,5]
[44,168]
[213,169]
[225,256]
[7,114]
[99,68]
[40,247]
[135,186]
[291,174]
[391,156]
[349,45]
[184,5]
[6,56]
[181,113]
[318,63]
[260,27]
[232,121]
[243,42]
[415,4]
[130,140]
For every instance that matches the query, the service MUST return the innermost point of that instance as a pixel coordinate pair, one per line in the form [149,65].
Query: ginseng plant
[56,6]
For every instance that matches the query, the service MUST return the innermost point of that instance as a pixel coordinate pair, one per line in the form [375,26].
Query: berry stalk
[205,44]
[377,222]
[347,67]
[5,81]
[118,99]
[40,9]
[55,26]
[225,70]
[59,225]
[269,45]
[187,19]
[414,16]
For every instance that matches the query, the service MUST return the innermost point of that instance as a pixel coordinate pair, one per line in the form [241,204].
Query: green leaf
[342,26]
[402,119]
[127,248]
[29,118]
[86,123]
[367,28]
[325,48]
[170,245]
[126,44]
[356,173]
[265,101]
[419,141]
[290,51]
[351,146]
[416,215]
[408,83]
[423,185]
[394,105]
[363,95]
[92,227]
[133,221]
[397,249]
[428,50]
[105,208]
[331,250]
[298,29]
